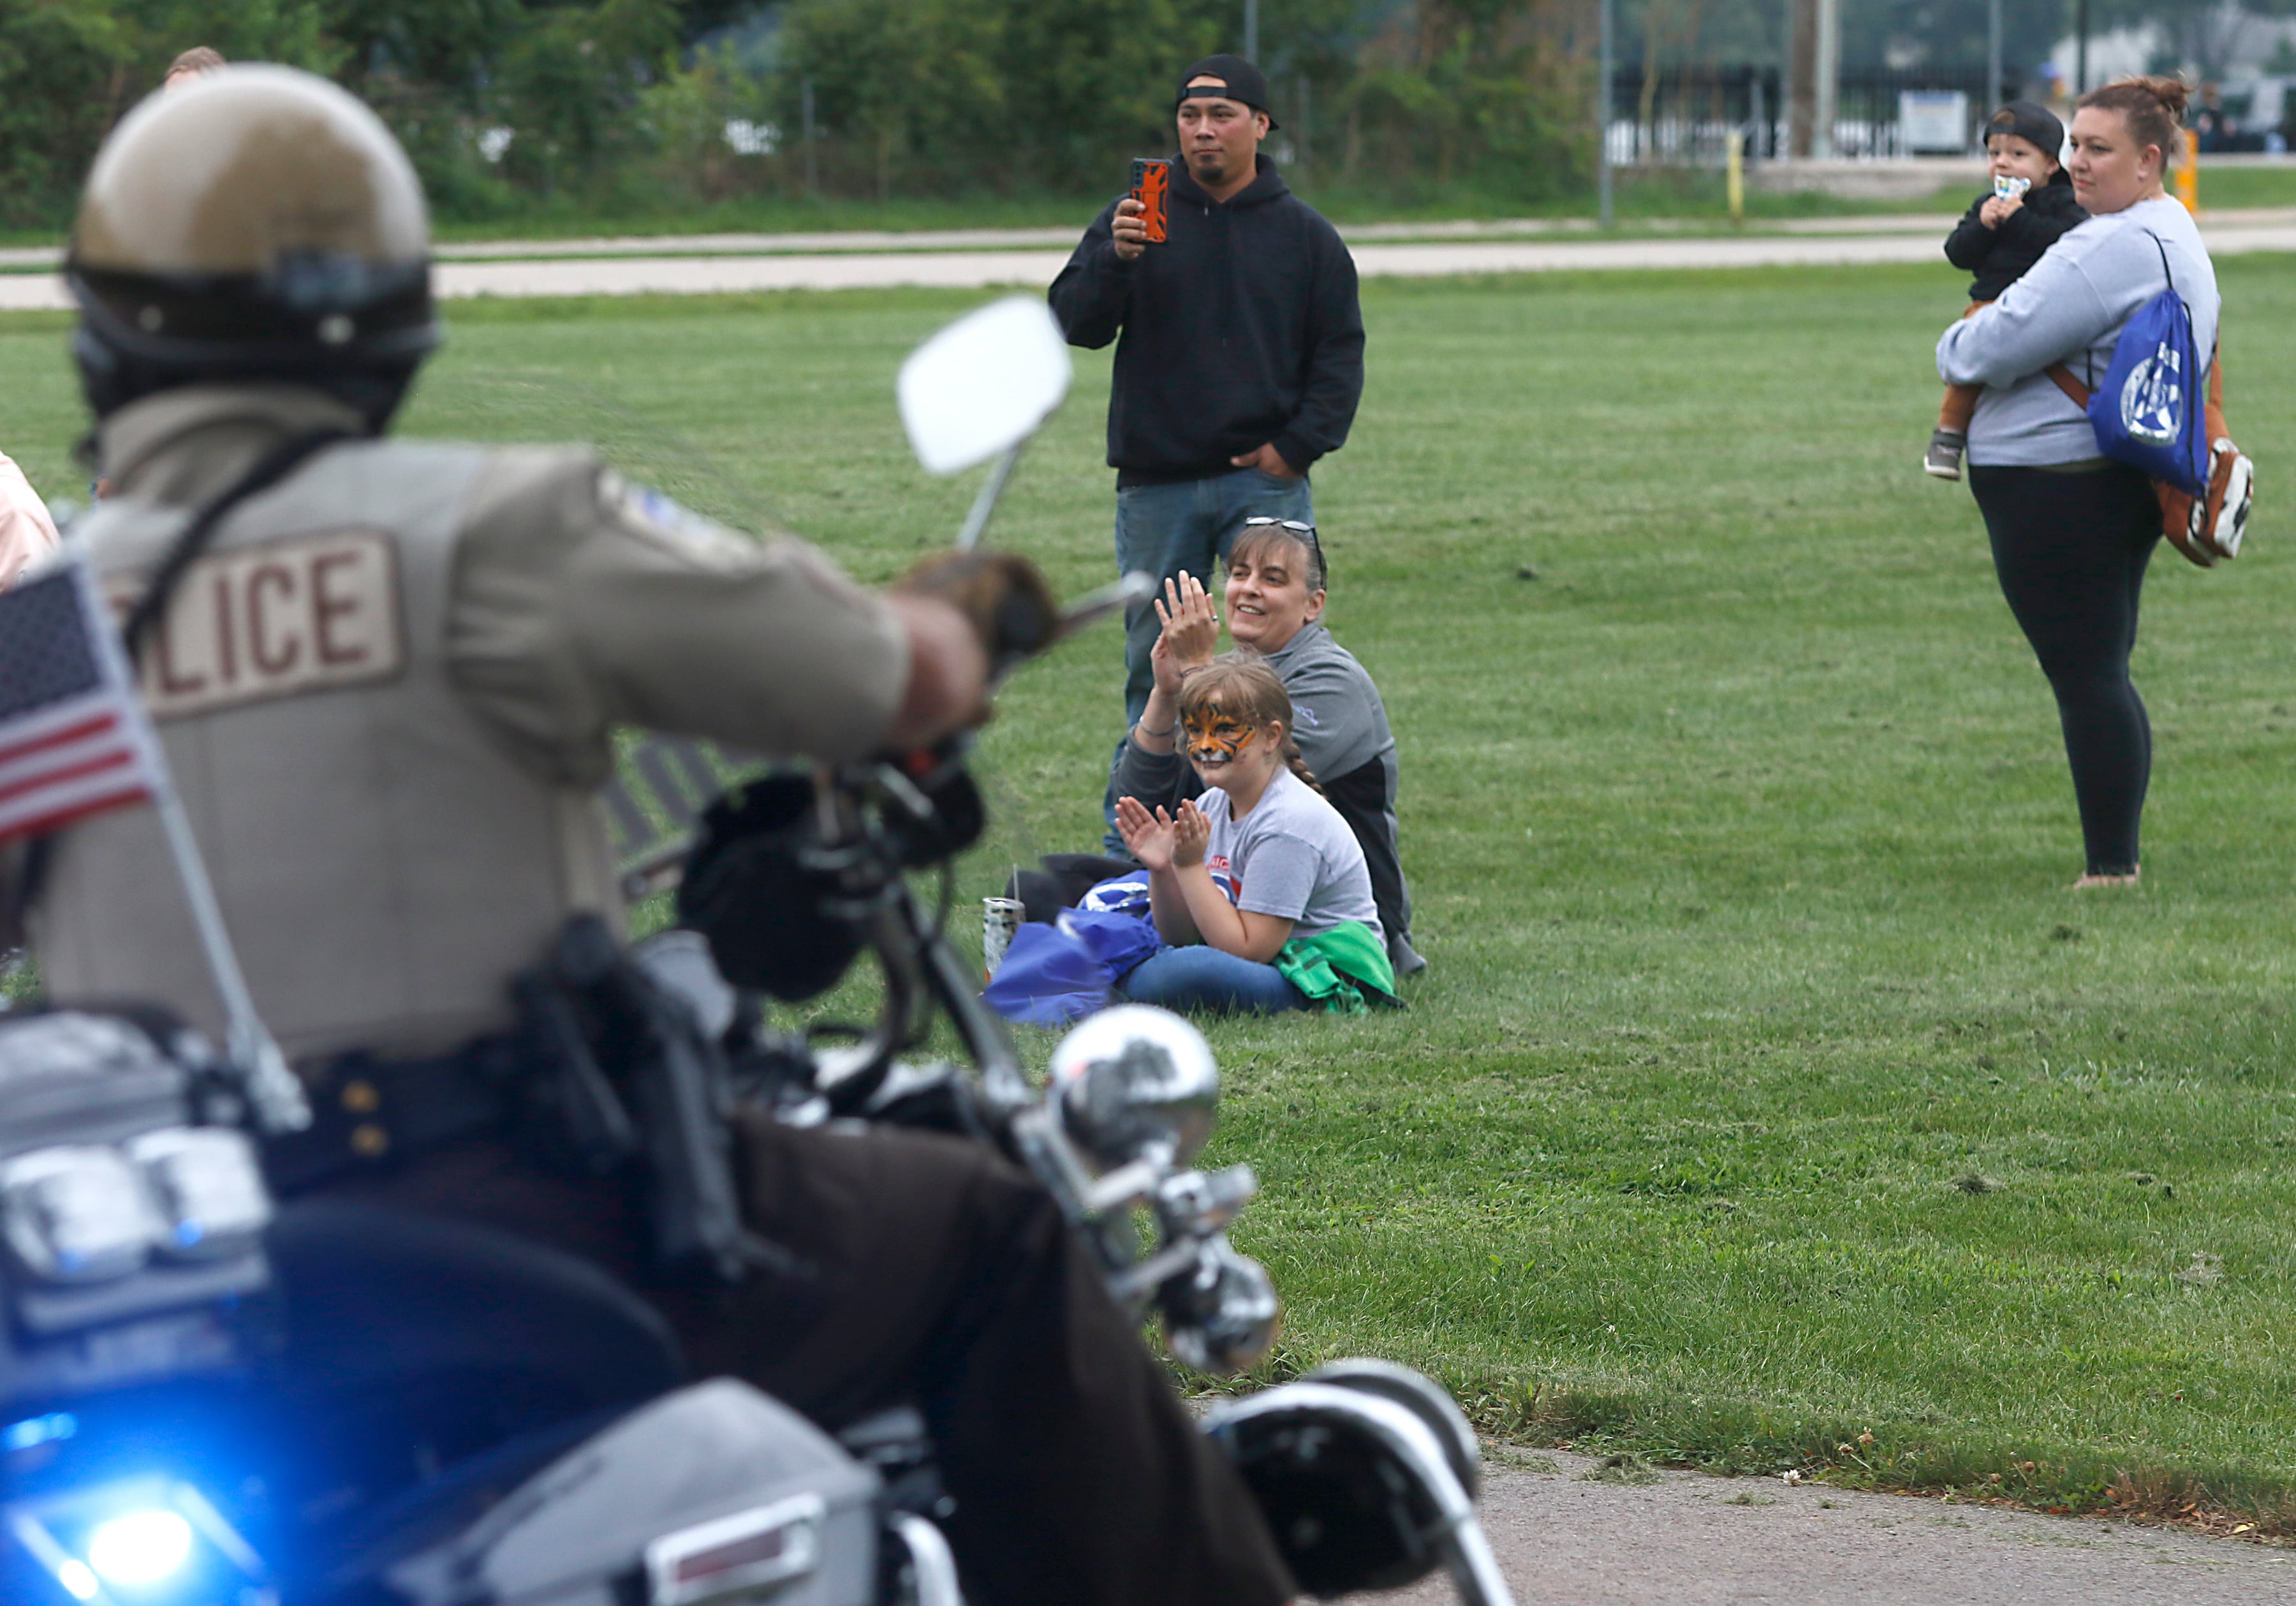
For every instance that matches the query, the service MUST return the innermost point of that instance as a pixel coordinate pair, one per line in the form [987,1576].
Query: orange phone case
[1151,187]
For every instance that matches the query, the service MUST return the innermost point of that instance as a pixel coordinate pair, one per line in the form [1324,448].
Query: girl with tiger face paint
[1264,859]
[1217,738]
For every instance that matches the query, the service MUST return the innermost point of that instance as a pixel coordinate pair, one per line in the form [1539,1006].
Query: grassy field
[1769,1086]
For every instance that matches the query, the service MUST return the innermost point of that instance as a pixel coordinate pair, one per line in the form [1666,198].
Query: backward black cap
[1245,84]
[2031,122]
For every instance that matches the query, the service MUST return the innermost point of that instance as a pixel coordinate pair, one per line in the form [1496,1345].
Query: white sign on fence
[1932,119]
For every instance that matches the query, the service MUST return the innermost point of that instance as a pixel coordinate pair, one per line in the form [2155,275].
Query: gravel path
[1688,1539]
[668,272]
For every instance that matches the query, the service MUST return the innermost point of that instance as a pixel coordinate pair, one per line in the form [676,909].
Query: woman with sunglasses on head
[1275,593]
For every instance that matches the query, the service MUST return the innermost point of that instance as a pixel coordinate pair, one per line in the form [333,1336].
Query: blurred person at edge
[191,66]
[425,794]
[1239,346]
[26,533]
[2072,530]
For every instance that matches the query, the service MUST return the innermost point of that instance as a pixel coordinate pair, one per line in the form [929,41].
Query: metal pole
[1829,77]
[271,1088]
[1802,77]
[992,490]
[812,172]
[1993,96]
[1602,117]
[1252,31]
[2080,50]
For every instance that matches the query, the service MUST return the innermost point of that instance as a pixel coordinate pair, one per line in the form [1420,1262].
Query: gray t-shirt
[1292,856]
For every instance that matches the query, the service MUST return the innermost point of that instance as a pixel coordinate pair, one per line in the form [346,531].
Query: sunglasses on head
[1306,532]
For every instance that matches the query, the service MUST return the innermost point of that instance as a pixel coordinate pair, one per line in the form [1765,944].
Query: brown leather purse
[2206,529]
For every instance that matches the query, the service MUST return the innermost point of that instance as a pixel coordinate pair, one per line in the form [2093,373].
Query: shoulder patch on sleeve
[675,529]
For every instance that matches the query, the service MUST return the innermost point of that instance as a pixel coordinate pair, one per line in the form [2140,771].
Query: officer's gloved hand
[1001,596]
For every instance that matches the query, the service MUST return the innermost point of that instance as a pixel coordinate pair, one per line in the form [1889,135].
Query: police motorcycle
[208,1399]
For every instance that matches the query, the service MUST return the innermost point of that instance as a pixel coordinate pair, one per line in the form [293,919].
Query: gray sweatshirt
[2071,307]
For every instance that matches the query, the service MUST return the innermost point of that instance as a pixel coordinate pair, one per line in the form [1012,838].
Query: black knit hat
[2033,123]
[1244,85]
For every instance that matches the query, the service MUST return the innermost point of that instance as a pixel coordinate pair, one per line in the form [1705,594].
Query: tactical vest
[384,865]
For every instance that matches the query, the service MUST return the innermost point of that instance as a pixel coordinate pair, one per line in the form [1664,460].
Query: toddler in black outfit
[2004,233]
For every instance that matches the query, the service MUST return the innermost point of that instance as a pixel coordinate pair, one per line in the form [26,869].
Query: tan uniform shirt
[388,694]
[26,533]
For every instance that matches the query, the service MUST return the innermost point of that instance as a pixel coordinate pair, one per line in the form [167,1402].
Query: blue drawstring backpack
[2149,413]
[1056,974]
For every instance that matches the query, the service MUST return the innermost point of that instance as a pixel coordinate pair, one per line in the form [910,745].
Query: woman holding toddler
[2071,529]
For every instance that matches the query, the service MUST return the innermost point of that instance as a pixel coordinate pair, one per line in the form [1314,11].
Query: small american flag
[74,740]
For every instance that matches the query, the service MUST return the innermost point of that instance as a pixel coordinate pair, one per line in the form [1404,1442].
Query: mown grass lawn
[1769,1084]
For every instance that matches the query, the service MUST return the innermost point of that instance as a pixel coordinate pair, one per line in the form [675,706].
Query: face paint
[1215,738]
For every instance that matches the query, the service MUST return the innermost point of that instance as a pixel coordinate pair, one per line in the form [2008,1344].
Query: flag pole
[272,1087]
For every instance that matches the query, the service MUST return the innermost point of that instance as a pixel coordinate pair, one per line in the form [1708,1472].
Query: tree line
[646,104]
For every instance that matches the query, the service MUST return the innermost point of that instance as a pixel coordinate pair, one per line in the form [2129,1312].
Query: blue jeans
[1203,978]
[1164,528]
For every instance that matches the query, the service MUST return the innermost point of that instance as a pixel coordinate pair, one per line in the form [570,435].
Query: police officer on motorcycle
[387,673]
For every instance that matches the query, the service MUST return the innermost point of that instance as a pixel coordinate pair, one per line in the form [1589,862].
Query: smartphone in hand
[1151,187]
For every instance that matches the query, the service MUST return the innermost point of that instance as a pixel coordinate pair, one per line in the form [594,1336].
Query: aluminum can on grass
[1000,917]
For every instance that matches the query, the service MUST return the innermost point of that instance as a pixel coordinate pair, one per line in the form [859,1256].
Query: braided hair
[1240,684]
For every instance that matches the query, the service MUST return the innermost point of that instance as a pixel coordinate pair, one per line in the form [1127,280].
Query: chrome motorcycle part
[978,388]
[757,1490]
[1358,1493]
[1223,1317]
[1420,1394]
[744,1557]
[1136,1083]
[1204,1203]
[72,1042]
[983,384]
[932,1567]
[77,1214]
[209,1187]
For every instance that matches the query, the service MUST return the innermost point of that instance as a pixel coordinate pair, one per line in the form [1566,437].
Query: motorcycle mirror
[984,384]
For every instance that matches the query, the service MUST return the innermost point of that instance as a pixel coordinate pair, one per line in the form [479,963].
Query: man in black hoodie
[1239,345]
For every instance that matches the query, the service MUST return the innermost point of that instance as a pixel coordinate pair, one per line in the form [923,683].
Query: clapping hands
[1163,842]
[1150,837]
[1191,833]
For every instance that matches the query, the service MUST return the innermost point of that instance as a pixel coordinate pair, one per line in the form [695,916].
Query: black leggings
[2070,550]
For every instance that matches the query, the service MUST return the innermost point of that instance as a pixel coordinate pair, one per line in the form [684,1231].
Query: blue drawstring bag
[1119,939]
[1119,894]
[1053,974]
[1048,977]
[2149,413]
